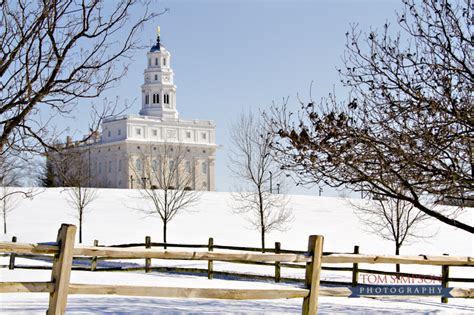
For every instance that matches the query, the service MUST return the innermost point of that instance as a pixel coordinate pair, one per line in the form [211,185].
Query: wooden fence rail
[64,251]
[355,270]
[59,287]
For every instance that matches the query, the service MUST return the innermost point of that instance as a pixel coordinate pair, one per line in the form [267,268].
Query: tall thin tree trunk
[397,252]
[80,226]
[262,222]
[166,214]
[4,201]
[164,233]
[4,222]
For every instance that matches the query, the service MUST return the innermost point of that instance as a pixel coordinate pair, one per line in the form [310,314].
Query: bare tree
[8,203]
[256,171]
[71,170]
[54,53]
[10,193]
[392,219]
[409,121]
[167,181]
[80,198]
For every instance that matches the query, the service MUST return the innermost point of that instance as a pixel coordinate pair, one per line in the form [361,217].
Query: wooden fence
[64,251]
[91,263]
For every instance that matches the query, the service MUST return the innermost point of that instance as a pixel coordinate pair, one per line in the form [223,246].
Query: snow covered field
[112,220]
[37,303]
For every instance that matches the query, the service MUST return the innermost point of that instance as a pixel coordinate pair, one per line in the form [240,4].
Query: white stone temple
[130,141]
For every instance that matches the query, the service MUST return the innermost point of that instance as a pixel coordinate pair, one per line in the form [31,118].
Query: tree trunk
[164,233]
[4,216]
[80,227]
[4,223]
[397,252]
[262,221]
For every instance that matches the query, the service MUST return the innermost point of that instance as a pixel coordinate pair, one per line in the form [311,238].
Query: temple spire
[158,89]
[158,37]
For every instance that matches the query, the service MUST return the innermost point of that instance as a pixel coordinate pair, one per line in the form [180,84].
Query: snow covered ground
[112,220]
[37,303]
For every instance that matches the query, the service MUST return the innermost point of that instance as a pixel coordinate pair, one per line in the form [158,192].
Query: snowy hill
[113,219]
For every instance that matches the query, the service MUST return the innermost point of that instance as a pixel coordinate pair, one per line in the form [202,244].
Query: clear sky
[229,56]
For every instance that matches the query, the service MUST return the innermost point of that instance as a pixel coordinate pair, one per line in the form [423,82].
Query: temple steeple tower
[158,89]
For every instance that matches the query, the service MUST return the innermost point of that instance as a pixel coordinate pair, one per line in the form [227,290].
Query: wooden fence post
[147,260]
[313,274]
[444,279]
[11,265]
[94,258]
[277,263]
[210,263]
[61,271]
[355,269]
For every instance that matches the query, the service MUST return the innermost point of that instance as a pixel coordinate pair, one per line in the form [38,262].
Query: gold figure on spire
[158,30]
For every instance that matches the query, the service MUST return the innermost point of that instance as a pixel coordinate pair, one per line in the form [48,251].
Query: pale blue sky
[229,56]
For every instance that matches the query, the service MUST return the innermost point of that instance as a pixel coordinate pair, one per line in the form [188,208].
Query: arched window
[171,166]
[138,165]
[154,98]
[187,167]
[204,167]
[147,99]
[110,166]
[100,167]
[157,98]
[154,165]
[156,61]
[120,165]
[164,61]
